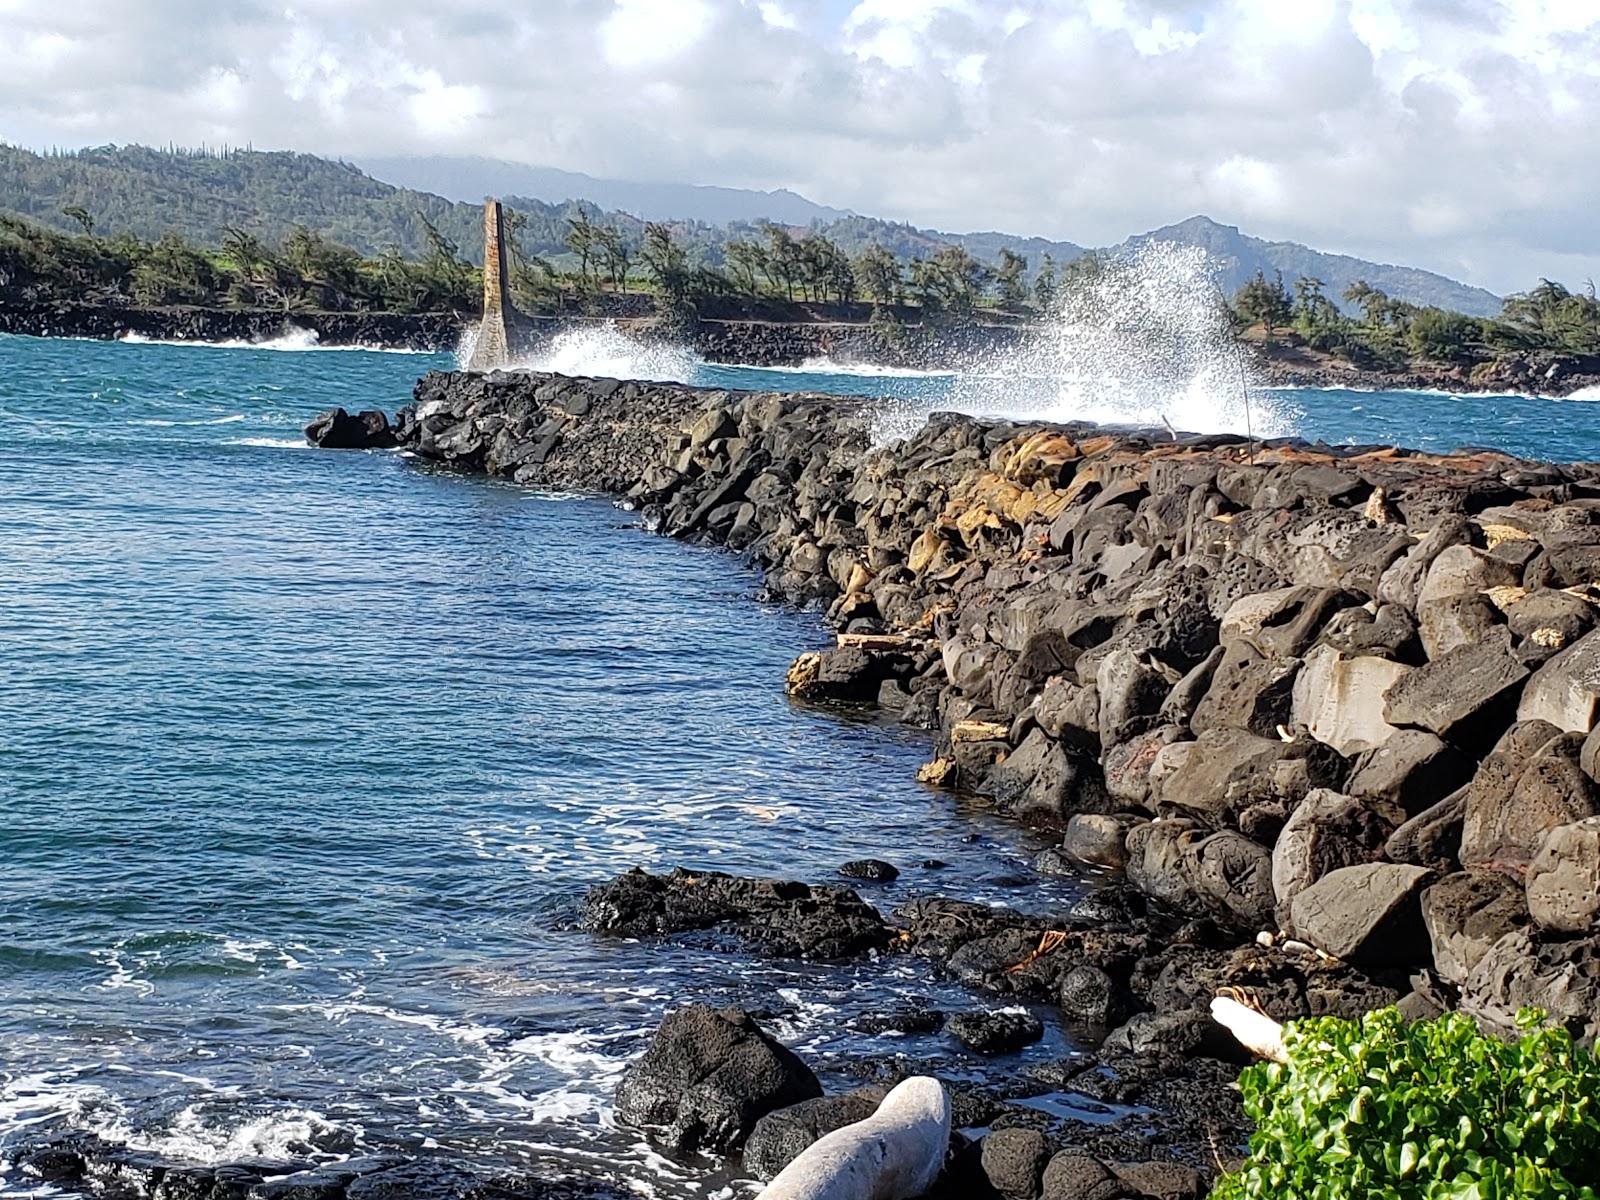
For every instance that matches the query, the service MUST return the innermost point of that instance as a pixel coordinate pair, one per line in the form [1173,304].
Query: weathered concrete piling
[1346,697]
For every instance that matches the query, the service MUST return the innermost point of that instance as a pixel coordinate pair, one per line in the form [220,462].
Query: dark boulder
[1327,831]
[1369,915]
[995,1032]
[1089,995]
[1466,913]
[706,1078]
[1074,1176]
[1013,1162]
[874,870]
[338,430]
[1509,811]
[1561,978]
[1460,695]
[782,918]
[1564,879]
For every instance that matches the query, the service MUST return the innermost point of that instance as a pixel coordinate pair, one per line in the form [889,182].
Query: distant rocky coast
[765,343]
[1326,718]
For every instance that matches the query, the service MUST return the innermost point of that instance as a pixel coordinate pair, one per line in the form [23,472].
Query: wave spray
[1142,341]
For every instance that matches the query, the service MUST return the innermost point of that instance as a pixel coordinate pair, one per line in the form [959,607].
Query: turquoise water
[305,759]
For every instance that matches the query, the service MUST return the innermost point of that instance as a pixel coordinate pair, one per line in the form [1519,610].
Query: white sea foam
[826,365]
[275,443]
[600,350]
[162,422]
[1590,393]
[1142,343]
[293,338]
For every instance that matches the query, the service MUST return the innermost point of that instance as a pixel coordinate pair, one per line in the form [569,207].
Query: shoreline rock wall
[1345,699]
[755,342]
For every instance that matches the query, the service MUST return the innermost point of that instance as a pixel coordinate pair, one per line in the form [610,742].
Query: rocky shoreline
[1328,715]
[764,343]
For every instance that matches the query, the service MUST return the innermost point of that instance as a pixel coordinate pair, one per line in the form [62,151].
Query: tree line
[1387,332]
[679,277]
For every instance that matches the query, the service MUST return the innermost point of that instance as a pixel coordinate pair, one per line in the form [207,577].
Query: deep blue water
[306,757]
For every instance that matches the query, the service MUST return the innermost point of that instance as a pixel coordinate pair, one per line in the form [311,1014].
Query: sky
[1458,135]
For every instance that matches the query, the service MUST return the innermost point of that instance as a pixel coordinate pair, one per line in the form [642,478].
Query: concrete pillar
[493,347]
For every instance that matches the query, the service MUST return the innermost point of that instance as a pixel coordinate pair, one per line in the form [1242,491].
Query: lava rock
[993,1033]
[1369,915]
[706,1078]
[872,869]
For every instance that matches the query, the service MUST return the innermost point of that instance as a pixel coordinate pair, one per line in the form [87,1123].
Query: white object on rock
[1255,1031]
[895,1154]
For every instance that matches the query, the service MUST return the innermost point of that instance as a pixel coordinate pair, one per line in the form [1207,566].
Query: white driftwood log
[1255,1031]
[895,1154]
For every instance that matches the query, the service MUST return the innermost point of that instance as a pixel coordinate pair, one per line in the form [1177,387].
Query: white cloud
[647,32]
[1450,133]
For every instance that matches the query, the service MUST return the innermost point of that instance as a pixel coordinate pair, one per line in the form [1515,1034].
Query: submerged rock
[783,918]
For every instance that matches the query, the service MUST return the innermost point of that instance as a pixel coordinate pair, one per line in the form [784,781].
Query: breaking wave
[293,338]
[602,350]
[1142,342]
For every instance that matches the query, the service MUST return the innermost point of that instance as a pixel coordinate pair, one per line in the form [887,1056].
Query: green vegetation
[136,226]
[1391,333]
[1435,1110]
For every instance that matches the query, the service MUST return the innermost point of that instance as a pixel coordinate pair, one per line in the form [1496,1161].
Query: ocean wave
[825,365]
[293,339]
[275,443]
[164,423]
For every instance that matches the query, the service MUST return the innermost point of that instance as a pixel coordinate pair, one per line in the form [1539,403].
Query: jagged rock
[872,869]
[781,1137]
[1226,768]
[1327,831]
[1466,913]
[1509,810]
[1232,876]
[1561,978]
[338,430]
[1560,617]
[1249,692]
[995,1032]
[1452,621]
[1074,1176]
[1564,879]
[1163,1180]
[1089,995]
[706,1078]
[1369,915]
[1459,693]
[783,918]
[1340,700]
[1409,774]
[1131,692]
[1432,838]
[1566,690]
[1013,1162]
[1182,1033]
[1098,841]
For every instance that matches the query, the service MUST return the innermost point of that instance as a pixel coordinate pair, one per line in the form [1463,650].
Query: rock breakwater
[1341,702]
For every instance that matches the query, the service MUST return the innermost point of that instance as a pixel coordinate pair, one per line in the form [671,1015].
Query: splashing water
[1140,343]
[601,350]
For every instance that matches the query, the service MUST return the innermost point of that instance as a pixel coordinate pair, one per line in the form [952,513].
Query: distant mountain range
[1239,256]
[472,179]
[148,192]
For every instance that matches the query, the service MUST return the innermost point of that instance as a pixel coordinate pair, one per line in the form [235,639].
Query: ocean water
[306,758]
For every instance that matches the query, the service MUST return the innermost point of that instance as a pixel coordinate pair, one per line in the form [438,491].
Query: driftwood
[1254,1030]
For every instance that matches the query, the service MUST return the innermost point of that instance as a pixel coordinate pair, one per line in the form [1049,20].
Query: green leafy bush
[1434,1110]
